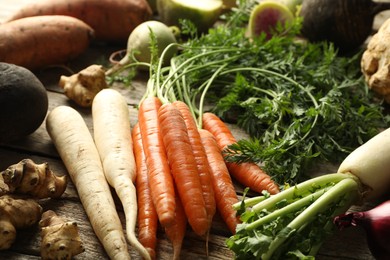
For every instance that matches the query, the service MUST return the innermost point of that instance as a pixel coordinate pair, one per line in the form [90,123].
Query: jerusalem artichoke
[83,86]
[60,239]
[27,177]
[375,62]
[16,213]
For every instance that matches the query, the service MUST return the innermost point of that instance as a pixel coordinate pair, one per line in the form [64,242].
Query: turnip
[297,220]
[146,36]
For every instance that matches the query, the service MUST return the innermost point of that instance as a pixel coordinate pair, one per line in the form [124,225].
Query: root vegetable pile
[176,166]
[22,186]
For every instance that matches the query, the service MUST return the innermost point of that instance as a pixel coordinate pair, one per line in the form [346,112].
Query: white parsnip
[112,134]
[77,149]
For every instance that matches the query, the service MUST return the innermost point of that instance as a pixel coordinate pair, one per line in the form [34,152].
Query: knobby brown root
[16,213]
[83,86]
[375,62]
[37,180]
[60,239]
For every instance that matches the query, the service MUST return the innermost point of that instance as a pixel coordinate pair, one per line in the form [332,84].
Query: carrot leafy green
[300,102]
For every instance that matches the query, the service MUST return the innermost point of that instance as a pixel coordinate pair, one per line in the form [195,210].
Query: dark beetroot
[346,23]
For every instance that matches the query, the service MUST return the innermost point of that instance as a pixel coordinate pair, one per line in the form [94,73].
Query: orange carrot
[225,193]
[183,166]
[147,216]
[248,174]
[177,231]
[200,158]
[160,178]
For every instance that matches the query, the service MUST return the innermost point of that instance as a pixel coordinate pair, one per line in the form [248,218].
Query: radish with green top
[140,44]
[297,220]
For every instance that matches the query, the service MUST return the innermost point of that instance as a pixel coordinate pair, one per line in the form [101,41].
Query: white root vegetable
[313,204]
[139,44]
[77,149]
[112,134]
[371,164]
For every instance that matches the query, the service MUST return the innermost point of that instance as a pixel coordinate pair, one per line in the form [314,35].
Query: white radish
[112,134]
[77,149]
[140,41]
[371,164]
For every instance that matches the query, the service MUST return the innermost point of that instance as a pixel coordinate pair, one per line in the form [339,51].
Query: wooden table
[349,244]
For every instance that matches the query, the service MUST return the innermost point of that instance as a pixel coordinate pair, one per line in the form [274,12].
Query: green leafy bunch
[300,102]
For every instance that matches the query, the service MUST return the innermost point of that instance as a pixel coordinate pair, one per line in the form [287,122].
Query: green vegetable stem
[293,223]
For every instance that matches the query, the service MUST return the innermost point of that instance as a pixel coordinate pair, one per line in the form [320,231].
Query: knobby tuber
[60,238]
[83,86]
[37,180]
[375,62]
[16,213]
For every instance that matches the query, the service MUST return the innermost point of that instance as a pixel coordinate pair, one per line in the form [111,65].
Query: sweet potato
[112,20]
[35,42]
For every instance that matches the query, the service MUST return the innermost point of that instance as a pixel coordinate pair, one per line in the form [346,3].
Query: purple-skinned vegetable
[376,223]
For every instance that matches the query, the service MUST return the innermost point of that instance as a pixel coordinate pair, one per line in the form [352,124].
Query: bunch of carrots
[182,177]
[168,170]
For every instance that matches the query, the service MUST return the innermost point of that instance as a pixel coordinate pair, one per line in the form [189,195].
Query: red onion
[376,223]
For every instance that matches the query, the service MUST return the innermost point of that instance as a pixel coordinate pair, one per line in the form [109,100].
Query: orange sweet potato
[35,42]
[112,20]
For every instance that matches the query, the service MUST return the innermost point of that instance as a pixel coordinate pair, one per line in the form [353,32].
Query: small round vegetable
[266,16]
[202,13]
[139,44]
[23,102]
